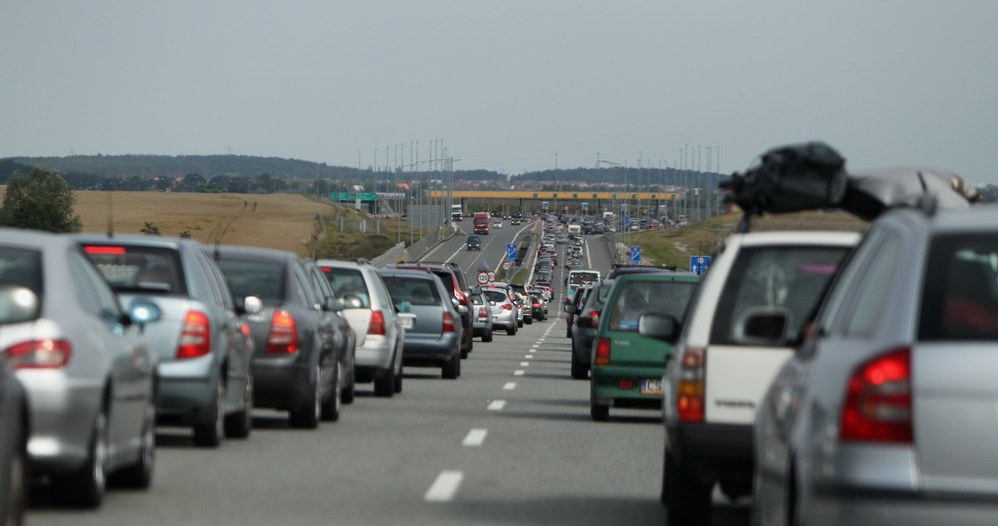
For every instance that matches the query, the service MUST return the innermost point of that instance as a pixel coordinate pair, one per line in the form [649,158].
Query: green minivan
[626,367]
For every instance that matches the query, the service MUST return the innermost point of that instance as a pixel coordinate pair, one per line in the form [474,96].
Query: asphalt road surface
[509,442]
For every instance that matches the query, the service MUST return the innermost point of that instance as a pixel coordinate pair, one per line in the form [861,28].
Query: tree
[39,201]
[150,229]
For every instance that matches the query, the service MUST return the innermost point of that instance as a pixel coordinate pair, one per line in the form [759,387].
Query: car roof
[802,237]
[255,253]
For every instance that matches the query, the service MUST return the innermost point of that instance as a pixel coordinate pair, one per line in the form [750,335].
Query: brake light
[195,335]
[507,306]
[283,336]
[626,384]
[377,324]
[39,354]
[461,297]
[104,250]
[692,385]
[602,352]
[482,313]
[594,314]
[878,400]
[448,322]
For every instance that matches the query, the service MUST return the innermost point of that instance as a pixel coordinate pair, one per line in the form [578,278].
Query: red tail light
[195,335]
[482,313]
[377,324]
[283,336]
[878,400]
[602,352]
[594,314]
[692,385]
[507,306]
[461,297]
[39,354]
[448,322]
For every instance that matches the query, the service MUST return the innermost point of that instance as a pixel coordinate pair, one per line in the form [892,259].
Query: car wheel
[579,369]
[350,390]
[511,330]
[528,321]
[210,434]
[306,414]
[385,385]
[139,474]
[487,337]
[519,324]
[239,424]
[687,497]
[599,412]
[568,331]
[85,488]
[398,379]
[331,406]
[452,369]
[17,481]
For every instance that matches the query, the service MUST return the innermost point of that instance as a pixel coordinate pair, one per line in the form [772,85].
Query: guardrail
[392,255]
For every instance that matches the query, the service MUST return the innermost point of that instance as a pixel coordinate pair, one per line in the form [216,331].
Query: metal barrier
[392,255]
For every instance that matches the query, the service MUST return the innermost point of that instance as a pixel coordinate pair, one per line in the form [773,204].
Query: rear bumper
[187,391]
[430,350]
[867,506]
[715,450]
[607,390]
[281,383]
[375,354]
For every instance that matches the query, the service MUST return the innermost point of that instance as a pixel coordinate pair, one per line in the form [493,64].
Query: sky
[512,85]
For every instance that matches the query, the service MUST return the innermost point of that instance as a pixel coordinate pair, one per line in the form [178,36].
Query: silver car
[504,311]
[88,372]
[481,315]
[13,420]
[204,365]
[886,413]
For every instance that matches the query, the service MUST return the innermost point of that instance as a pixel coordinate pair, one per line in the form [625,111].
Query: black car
[474,242]
[295,363]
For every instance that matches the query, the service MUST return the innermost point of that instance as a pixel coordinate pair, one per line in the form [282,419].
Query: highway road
[509,442]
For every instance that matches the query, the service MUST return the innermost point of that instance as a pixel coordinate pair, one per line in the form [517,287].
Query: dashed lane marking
[518,372]
[475,438]
[524,364]
[444,487]
[509,386]
[496,405]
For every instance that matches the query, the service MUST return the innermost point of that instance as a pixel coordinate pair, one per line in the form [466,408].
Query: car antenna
[110,215]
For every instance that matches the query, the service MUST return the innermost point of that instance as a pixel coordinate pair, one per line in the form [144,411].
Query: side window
[304,287]
[834,317]
[380,291]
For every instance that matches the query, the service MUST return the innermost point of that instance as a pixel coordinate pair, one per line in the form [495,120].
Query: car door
[226,326]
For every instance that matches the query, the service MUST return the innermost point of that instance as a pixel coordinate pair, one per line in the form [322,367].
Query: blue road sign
[627,220]
[699,264]
[511,251]
[635,255]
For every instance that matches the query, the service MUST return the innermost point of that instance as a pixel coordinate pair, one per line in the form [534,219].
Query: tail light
[39,354]
[594,314]
[482,313]
[692,385]
[878,400]
[448,322]
[195,335]
[377,324]
[507,306]
[461,297]
[603,351]
[283,337]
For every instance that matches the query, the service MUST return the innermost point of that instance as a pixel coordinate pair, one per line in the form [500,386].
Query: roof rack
[362,261]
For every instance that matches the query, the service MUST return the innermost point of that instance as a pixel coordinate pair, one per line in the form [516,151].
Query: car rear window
[416,291]
[149,270]
[348,282]
[792,278]
[582,278]
[496,296]
[642,297]
[22,267]
[447,277]
[960,299]
[255,278]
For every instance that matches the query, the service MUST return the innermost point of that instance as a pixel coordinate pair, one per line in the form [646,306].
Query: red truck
[481,223]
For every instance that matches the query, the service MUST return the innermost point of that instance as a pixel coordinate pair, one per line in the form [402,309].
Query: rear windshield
[348,282]
[642,297]
[791,279]
[416,291]
[21,267]
[255,278]
[960,300]
[149,270]
[446,277]
[583,278]
[496,296]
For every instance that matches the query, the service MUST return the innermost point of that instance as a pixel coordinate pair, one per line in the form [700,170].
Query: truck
[481,223]
[456,213]
[575,228]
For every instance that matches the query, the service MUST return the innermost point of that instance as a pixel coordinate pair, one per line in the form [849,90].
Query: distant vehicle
[480,223]
[474,242]
[504,311]
[580,278]
[456,212]
[575,228]
[497,224]
[516,214]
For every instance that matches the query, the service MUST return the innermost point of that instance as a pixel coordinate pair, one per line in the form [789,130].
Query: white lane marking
[589,259]
[518,372]
[528,357]
[535,346]
[533,350]
[444,488]
[509,386]
[497,405]
[524,364]
[475,438]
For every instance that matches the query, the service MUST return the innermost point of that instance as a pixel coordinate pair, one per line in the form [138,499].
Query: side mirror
[142,311]
[764,326]
[570,308]
[659,326]
[18,304]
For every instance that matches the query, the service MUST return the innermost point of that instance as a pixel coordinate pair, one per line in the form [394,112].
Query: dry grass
[281,221]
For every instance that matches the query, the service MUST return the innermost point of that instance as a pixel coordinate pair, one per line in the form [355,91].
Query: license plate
[408,321]
[651,387]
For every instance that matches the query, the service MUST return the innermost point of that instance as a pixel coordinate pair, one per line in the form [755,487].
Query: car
[88,372]
[344,336]
[295,364]
[886,407]
[584,330]
[430,319]
[497,224]
[13,420]
[504,311]
[203,376]
[577,300]
[719,373]
[538,307]
[579,277]
[626,367]
[482,323]
[474,242]
[453,278]
[368,308]
[516,221]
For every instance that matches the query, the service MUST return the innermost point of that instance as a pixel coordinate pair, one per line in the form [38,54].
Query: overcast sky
[506,84]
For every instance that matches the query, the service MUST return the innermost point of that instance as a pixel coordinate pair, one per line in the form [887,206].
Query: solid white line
[518,372]
[589,259]
[497,405]
[444,488]
[475,438]
[509,386]
[524,364]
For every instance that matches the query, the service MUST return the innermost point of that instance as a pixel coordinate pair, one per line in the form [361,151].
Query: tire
[579,369]
[385,385]
[687,498]
[398,380]
[17,491]
[511,330]
[519,324]
[528,321]
[85,488]
[487,337]
[138,475]
[452,369]
[568,331]
[350,390]
[599,412]
[210,434]
[306,414]
[332,405]
[240,423]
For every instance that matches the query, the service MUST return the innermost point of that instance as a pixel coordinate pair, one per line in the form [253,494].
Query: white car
[497,224]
